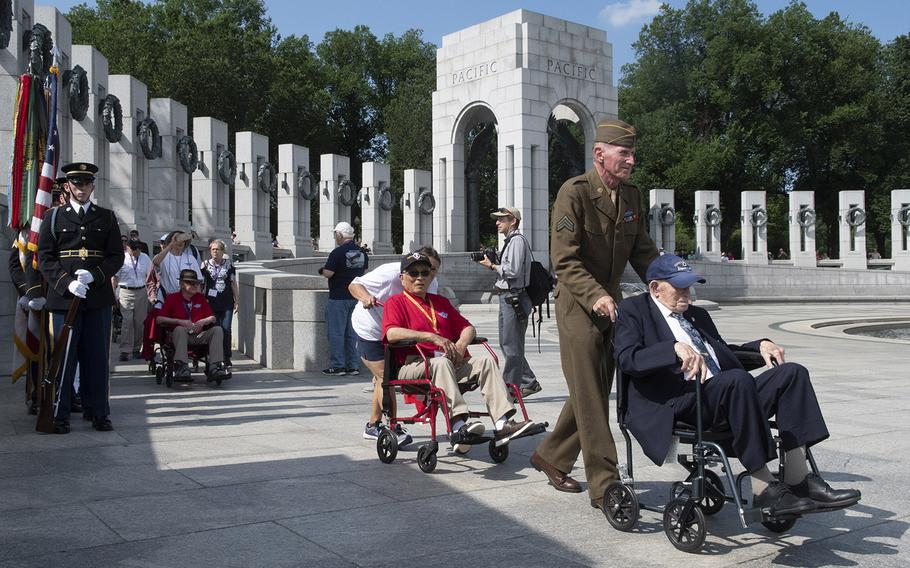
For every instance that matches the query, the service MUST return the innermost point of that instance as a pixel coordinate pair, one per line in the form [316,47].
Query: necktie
[81,213]
[697,341]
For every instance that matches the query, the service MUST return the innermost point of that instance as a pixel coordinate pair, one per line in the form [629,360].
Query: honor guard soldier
[598,226]
[79,250]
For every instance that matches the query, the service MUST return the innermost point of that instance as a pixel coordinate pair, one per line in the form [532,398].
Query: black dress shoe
[815,488]
[61,427]
[102,424]
[779,500]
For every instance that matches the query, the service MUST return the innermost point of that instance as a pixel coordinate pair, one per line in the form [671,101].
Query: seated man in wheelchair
[442,332]
[664,344]
[190,314]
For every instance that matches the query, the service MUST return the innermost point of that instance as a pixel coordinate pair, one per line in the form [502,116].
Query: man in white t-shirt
[369,290]
[175,256]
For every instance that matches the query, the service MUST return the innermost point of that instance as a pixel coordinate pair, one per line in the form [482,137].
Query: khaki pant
[134,307]
[212,337]
[583,425]
[444,376]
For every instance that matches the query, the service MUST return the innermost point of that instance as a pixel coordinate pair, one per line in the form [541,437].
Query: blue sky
[622,19]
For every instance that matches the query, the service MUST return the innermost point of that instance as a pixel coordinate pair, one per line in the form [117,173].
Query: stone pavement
[271,470]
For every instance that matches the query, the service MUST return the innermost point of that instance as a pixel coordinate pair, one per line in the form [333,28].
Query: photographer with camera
[513,267]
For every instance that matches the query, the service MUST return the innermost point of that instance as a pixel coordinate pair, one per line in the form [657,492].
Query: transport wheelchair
[430,399]
[164,365]
[703,492]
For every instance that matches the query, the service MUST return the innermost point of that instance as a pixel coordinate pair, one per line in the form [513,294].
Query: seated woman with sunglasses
[430,320]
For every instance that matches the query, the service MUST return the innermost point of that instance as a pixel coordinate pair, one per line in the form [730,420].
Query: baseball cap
[674,270]
[506,211]
[413,258]
[344,228]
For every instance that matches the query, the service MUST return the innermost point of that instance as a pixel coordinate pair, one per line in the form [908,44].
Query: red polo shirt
[434,314]
[195,309]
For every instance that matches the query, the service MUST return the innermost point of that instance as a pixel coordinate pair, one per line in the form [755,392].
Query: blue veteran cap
[674,270]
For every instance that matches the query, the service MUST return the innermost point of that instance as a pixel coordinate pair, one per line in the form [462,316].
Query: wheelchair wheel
[714,498]
[779,525]
[387,446]
[499,454]
[686,534]
[620,506]
[426,458]
[159,374]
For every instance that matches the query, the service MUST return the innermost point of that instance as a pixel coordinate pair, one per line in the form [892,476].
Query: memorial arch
[514,81]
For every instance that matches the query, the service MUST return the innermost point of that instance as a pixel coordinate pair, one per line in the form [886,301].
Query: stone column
[211,198]
[707,225]
[418,227]
[522,178]
[128,188]
[900,228]
[13,63]
[662,218]
[251,202]
[62,34]
[88,141]
[169,185]
[851,220]
[294,208]
[754,223]
[802,228]
[376,228]
[335,171]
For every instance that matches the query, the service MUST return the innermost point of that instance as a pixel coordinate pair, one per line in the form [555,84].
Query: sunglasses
[419,273]
[80,182]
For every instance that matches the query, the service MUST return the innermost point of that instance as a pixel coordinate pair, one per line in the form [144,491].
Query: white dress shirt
[77,206]
[134,271]
[680,334]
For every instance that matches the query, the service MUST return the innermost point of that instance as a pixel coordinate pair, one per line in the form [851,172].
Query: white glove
[37,304]
[23,302]
[84,276]
[78,289]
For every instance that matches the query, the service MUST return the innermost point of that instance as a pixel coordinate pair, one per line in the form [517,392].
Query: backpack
[540,284]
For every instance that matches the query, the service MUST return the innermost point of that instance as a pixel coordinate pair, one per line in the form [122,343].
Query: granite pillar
[754,227]
[418,227]
[900,228]
[169,185]
[293,207]
[851,222]
[707,225]
[376,205]
[88,141]
[801,222]
[129,169]
[662,218]
[251,202]
[335,171]
[211,195]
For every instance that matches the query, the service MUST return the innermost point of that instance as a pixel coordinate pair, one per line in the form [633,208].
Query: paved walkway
[270,470]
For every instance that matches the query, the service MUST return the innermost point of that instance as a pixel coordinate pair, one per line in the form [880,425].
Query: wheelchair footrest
[763,516]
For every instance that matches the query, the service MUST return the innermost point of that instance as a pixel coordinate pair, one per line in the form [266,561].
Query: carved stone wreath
[227,167]
[347,193]
[112,118]
[856,216]
[667,215]
[426,203]
[149,138]
[267,177]
[713,217]
[806,217]
[307,184]
[76,81]
[758,217]
[187,154]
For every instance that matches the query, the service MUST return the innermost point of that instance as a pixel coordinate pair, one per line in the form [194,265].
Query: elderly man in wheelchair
[665,346]
[444,335]
[193,324]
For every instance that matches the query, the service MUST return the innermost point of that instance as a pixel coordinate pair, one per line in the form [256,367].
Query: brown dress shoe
[559,480]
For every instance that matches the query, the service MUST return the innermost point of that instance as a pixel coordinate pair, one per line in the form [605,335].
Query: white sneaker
[474,429]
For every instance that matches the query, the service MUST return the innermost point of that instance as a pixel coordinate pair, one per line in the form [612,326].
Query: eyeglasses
[419,273]
[80,182]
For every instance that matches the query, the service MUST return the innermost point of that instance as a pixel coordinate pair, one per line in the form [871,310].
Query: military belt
[82,253]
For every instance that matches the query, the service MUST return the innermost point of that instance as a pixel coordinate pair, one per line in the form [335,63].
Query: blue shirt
[347,262]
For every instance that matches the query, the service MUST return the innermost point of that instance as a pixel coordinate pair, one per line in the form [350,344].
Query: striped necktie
[697,341]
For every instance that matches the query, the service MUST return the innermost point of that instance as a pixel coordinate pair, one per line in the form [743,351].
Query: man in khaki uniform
[598,225]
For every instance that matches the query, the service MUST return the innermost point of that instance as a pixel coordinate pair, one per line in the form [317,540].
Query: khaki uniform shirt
[592,239]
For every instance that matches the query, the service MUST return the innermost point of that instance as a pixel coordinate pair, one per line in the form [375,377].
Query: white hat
[345,229]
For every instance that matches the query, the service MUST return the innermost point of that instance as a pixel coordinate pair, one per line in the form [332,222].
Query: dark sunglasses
[80,182]
[419,273]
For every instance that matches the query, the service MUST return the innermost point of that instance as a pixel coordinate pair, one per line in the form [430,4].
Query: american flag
[49,169]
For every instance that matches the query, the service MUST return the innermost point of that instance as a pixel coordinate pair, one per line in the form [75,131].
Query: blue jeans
[224,319]
[342,339]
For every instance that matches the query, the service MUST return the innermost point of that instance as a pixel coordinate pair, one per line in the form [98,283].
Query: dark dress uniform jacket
[644,350]
[99,235]
[26,280]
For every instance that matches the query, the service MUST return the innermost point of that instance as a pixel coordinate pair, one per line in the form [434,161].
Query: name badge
[213,292]
[439,354]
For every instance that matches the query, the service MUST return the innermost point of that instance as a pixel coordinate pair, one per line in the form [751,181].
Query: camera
[488,254]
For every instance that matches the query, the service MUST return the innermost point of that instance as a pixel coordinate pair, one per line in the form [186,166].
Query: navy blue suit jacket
[643,346]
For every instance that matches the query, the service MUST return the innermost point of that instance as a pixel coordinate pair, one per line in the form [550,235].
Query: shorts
[370,350]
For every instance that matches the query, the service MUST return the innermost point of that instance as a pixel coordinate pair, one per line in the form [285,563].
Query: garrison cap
[616,132]
[80,169]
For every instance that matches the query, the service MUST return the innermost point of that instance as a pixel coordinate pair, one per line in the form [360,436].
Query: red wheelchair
[429,400]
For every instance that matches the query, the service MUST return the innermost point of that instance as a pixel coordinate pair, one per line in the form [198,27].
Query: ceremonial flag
[31,197]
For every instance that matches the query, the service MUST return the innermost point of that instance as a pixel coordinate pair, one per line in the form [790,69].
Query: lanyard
[188,306]
[431,315]
[135,267]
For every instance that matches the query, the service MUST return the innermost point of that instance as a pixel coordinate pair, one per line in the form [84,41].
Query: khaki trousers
[444,376]
[213,337]
[583,425]
[134,307]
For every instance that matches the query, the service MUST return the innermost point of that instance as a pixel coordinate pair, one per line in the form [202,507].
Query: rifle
[47,387]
